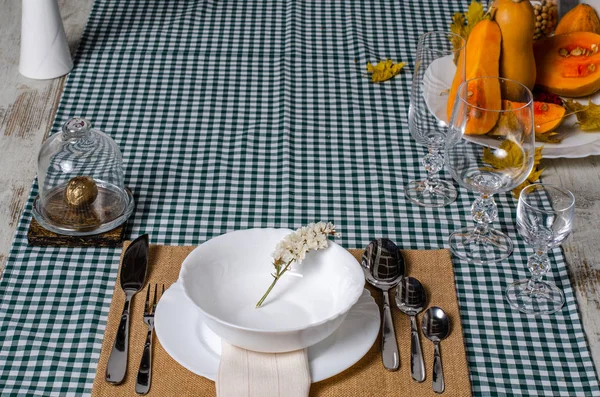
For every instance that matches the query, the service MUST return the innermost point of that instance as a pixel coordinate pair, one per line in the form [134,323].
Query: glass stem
[484,212]
[433,163]
[538,265]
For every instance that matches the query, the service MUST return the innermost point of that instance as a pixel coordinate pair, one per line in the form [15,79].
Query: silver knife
[133,277]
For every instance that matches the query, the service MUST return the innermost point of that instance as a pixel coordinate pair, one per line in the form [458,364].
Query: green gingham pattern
[240,114]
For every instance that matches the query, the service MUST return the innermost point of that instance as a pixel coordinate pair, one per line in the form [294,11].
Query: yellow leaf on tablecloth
[384,70]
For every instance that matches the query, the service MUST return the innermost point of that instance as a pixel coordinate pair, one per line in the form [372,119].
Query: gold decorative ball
[81,191]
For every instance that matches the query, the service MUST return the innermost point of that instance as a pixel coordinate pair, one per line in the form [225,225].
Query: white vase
[44,48]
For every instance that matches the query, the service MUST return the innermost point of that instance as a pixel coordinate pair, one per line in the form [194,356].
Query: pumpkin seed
[592,67]
[544,107]
[563,52]
[577,52]
[469,94]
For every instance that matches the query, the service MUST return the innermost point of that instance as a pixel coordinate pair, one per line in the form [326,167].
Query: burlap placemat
[365,378]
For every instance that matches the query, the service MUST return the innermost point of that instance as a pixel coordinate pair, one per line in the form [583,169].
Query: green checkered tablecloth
[239,114]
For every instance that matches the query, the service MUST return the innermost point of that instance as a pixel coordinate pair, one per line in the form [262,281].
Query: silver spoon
[436,326]
[384,268]
[411,300]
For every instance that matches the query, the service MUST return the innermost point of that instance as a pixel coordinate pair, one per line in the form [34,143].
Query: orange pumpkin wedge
[482,59]
[569,64]
[546,116]
[456,82]
[582,18]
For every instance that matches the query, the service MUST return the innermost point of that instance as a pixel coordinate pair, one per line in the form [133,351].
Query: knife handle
[117,362]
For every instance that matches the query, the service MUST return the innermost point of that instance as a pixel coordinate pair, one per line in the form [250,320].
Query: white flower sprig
[295,246]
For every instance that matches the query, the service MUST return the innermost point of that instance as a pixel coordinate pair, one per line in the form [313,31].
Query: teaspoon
[411,300]
[383,266]
[436,326]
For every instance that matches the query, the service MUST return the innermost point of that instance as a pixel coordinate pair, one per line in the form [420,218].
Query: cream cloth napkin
[244,373]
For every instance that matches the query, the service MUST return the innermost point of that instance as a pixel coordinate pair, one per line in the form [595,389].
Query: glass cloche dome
[81,184]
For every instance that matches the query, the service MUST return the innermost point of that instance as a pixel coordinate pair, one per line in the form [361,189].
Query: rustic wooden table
[27,108]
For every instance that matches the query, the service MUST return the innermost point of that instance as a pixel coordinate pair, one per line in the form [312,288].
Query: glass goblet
[489,149]
[435,66]
[545,216]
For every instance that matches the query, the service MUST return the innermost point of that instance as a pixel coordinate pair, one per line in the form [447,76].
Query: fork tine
[155,302]
[147,304]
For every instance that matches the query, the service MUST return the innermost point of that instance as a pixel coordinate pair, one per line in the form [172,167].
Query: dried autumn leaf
[513,158]
[512,155]
[384,70]
[474,15]
[463,23]
[549,137]
[573,107]
[458,27]
[588,117]
[507,121]
[533,177]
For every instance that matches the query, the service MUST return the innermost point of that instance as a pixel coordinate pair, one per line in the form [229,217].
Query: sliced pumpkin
[482,59]
[518,118]
[582,18]
[569,64]
[547,117]
[459,78]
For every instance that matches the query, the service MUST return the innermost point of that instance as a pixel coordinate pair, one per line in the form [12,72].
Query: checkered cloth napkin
[238,114]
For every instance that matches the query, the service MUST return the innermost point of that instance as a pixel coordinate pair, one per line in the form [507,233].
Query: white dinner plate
[184,335]
[436,85]
[576,143]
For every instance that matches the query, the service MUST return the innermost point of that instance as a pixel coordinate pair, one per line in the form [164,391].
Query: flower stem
[275,279]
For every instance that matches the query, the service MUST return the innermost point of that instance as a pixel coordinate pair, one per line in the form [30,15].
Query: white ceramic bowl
[226,276]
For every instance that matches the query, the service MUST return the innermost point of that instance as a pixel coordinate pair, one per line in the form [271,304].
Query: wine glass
[435,67]
[489,149]
[545,216]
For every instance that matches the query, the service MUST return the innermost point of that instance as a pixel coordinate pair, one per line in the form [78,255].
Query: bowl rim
[351,302]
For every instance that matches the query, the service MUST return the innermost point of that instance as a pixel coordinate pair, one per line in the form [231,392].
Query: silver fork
[144,376]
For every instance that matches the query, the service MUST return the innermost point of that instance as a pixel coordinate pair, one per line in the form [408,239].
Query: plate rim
[362,349]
